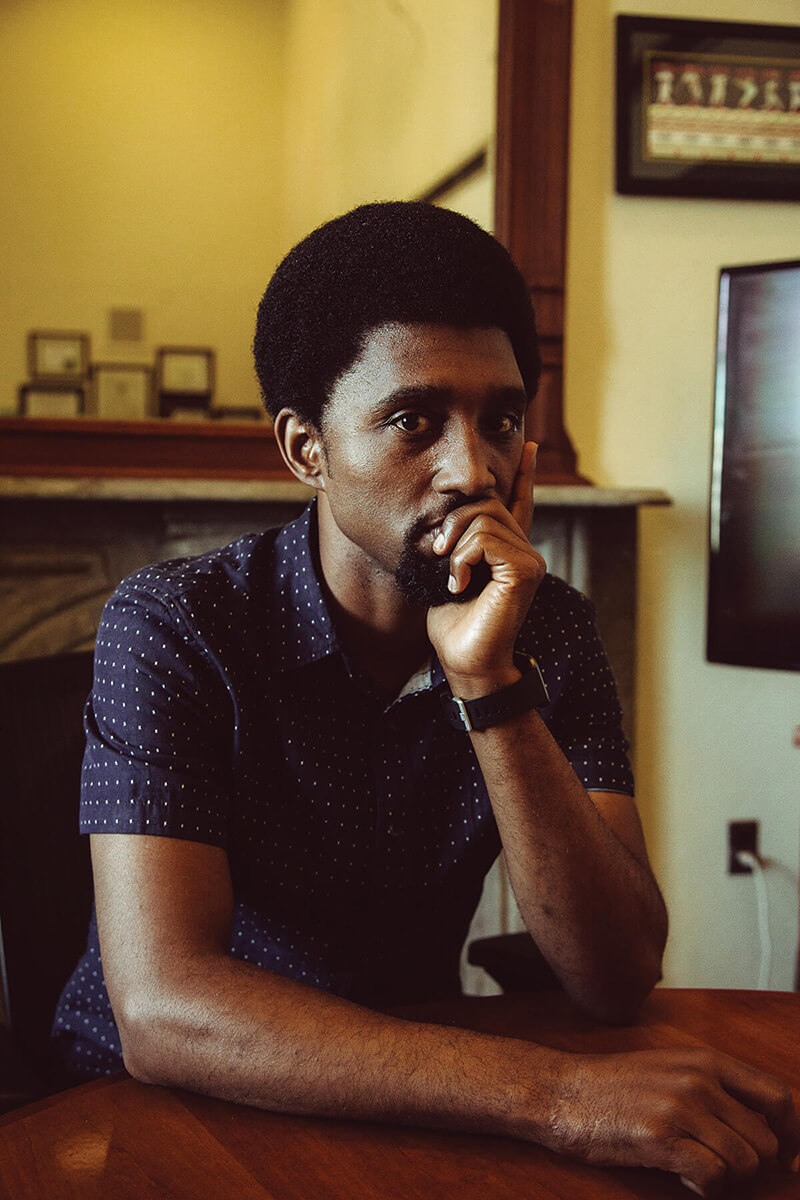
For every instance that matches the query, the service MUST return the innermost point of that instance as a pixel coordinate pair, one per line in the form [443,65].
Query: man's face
[427,419]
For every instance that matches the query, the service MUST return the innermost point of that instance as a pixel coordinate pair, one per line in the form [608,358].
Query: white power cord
[746,859]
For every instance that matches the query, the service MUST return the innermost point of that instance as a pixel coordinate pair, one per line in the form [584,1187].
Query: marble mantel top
[47,487]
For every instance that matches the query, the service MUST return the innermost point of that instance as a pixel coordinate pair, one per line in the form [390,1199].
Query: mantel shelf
[204,461]
[85,447]
[86,459]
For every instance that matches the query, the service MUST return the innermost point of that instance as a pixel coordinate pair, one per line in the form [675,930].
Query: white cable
[762,903]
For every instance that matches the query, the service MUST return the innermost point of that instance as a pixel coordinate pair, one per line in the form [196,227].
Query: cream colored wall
[140,145]
[383,100]
[715,742]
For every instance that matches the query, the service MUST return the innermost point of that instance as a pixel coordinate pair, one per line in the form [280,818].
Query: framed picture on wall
[54,401]
[184,379]
[58,356]
[707,108]
[122,391]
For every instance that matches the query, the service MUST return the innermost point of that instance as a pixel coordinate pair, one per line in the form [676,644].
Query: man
[305,750]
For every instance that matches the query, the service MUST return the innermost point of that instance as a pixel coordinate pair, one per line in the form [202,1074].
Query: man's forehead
[408,354]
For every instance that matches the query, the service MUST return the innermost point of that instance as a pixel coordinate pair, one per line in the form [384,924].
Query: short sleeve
[586,716]
[159,724]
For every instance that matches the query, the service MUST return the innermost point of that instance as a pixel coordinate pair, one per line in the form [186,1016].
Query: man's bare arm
[581,879]
[191,1016]
[579,870]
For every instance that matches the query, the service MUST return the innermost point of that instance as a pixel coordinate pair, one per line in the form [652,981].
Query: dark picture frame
[56,356]
[707,108]
[185,379]
[51,401]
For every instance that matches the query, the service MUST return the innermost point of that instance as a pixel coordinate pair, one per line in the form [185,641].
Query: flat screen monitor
[754,561]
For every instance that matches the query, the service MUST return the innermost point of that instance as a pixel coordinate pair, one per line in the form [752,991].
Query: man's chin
[422,579]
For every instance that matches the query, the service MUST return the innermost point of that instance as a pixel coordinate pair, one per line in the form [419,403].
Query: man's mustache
[428,522]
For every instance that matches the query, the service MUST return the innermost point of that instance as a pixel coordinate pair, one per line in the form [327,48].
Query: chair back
[45,868]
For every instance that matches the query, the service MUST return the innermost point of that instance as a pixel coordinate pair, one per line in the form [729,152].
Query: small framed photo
[708,108]
[122,391]
[185,371]
[185,381]
[52,400]
[58,356]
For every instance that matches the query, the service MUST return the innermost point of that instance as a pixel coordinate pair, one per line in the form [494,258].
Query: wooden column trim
[534,58]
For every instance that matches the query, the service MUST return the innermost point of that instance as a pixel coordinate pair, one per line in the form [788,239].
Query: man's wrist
[494,705]
[472,687]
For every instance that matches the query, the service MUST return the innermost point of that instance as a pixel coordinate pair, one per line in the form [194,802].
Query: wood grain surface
[117,1138]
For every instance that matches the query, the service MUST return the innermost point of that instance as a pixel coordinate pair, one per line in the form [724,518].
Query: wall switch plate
[742,835]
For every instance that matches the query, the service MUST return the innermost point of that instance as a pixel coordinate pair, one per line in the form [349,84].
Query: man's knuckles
[479,520]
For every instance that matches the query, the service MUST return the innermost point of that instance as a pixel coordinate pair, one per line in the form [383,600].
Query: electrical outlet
[742,835]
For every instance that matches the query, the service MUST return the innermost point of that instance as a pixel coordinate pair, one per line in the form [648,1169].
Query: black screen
[754,572]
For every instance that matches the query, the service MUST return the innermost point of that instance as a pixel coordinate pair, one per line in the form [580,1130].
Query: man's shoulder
[558,600]
[559,615]
[240,567]
[250,566]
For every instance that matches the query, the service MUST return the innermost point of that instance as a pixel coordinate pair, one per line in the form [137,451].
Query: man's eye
[413,422]
[506,423]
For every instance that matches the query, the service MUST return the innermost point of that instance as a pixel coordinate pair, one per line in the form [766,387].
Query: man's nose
[465,463]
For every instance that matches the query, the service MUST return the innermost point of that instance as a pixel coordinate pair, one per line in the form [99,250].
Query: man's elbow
[144,1038]
[625,984]
[615,996]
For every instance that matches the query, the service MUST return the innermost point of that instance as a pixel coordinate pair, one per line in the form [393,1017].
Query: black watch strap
[528,692]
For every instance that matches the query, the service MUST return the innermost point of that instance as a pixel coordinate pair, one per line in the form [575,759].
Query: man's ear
[300,444]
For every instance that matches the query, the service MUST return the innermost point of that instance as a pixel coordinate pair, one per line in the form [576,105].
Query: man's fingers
[751,1127]
[700,1169]
[484,516]
[774,1100]
[496,548]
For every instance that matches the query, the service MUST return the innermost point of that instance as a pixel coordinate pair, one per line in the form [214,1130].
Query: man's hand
[703,1115]
[475,640]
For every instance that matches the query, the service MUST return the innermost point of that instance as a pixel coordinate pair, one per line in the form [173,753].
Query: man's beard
[422,578]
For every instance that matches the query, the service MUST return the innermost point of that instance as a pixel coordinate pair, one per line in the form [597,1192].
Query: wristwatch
[528,692]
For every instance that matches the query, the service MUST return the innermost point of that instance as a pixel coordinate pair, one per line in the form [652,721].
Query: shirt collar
[303,631]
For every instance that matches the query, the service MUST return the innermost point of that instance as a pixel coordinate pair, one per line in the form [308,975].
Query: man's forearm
[237,1032]
[594,910]
[231,1030]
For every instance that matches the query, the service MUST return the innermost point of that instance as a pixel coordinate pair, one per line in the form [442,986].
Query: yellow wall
[140,145]
[164,156]
[383,100]
[715,743]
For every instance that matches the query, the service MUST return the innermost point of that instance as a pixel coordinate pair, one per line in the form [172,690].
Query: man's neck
[387,657]
[382,634]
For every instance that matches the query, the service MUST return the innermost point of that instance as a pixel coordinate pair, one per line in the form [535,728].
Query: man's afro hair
[396,261]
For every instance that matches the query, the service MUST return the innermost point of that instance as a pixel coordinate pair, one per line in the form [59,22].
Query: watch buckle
[462,712]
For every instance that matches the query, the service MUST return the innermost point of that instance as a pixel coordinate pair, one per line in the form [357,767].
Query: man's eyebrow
[508,395]
[415,394]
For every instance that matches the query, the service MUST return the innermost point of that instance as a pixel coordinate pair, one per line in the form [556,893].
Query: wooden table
[117,1138]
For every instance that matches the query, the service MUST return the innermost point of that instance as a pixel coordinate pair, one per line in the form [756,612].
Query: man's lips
[432,527]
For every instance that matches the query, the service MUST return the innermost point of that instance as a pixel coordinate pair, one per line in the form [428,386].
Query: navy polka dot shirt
[358,832]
